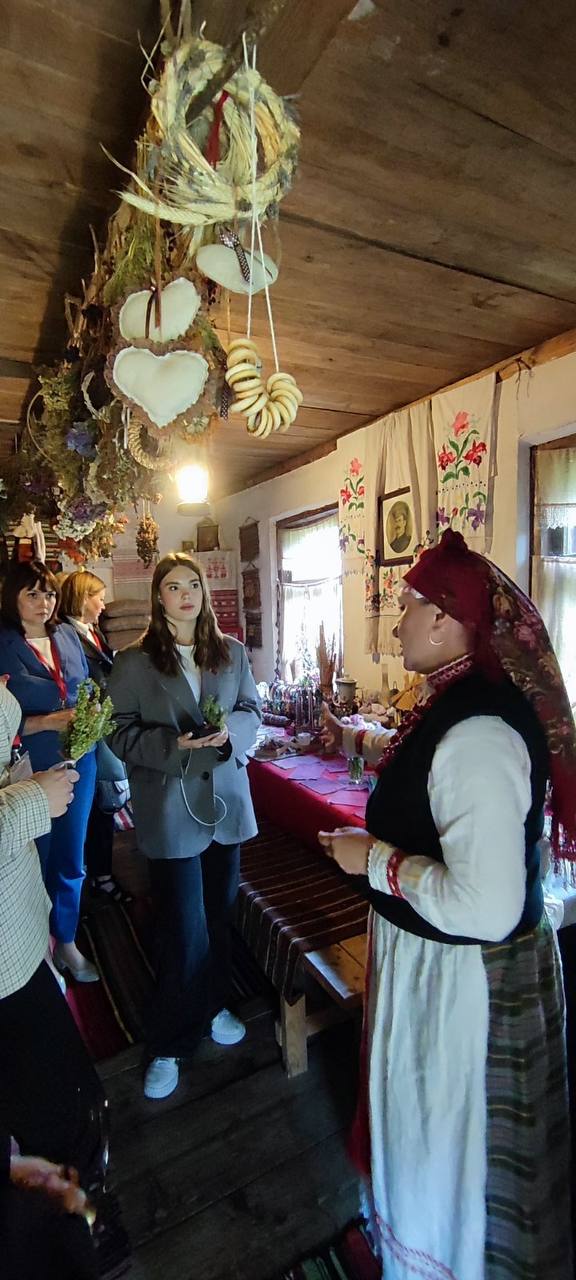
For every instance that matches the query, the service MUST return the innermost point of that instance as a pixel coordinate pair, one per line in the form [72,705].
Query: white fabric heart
[164,386]
[220,263]
[180,302]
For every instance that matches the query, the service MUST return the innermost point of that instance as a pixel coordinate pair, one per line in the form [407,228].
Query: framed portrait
[207,536]
[398,527]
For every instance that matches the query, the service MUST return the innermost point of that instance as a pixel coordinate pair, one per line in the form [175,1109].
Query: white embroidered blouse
[479,789]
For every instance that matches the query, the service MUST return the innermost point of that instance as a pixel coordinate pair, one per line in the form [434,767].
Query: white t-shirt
[191,671]
[43,646]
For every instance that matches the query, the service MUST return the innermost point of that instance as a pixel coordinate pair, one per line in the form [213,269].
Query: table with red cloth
[293,899]
[306,794]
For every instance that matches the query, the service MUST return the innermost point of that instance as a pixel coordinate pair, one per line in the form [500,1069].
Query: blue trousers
[194,898]
[61,854]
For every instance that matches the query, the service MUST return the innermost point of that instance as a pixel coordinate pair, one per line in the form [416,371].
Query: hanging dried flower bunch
[147,540]
[143,378]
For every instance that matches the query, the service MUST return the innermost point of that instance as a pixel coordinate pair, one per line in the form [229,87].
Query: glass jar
[356,769]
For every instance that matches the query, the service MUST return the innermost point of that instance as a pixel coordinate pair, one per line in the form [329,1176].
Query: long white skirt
[428,1012]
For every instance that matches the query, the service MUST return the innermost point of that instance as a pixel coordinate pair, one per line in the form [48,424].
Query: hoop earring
[436,643]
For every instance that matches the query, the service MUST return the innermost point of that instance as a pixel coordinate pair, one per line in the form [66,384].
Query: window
[309,590]
[554,550]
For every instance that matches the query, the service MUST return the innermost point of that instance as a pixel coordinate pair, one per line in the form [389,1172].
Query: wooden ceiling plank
[294,43]
[119,20]
[56,41]
[113,109]
[439,183]
[503,62]
[31,210]
[271,473]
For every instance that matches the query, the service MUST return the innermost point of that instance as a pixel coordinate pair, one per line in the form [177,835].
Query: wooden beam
[542,353]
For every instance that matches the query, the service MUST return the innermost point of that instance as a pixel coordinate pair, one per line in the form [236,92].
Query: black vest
[398,810]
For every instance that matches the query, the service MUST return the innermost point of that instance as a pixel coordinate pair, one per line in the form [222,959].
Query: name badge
[21,770]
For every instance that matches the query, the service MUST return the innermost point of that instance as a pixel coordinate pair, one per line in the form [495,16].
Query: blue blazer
[36,691]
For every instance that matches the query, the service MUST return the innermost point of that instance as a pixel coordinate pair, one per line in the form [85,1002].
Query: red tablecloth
[306,794]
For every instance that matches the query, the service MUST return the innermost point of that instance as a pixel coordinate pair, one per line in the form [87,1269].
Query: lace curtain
[554,561]
[309,558]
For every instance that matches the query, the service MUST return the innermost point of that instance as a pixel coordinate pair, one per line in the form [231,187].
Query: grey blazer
[168,785]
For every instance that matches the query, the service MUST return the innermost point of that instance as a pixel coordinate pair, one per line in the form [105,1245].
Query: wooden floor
[241,1171]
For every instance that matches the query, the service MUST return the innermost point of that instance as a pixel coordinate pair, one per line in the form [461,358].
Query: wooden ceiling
[430,232]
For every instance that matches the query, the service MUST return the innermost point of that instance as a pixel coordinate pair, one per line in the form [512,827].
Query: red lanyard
[56,672]
[96,641]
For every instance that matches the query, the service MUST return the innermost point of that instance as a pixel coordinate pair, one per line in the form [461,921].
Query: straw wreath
[175,181]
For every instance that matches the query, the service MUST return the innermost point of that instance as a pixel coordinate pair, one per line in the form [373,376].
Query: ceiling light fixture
[192,484]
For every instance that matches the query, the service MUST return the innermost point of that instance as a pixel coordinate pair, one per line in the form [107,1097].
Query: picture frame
[398,527]
[207,536]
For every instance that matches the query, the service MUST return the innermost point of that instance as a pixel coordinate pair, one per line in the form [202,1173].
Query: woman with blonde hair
[191,803]
[81,603]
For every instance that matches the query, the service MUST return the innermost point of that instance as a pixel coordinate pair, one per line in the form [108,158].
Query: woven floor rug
[349,1257]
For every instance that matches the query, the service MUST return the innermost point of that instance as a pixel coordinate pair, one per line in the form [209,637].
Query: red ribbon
[55,673]
[213,143]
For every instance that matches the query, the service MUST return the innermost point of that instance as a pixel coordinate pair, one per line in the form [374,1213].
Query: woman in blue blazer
[45,664]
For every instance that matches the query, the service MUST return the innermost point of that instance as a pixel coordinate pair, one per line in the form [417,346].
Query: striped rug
[291,901]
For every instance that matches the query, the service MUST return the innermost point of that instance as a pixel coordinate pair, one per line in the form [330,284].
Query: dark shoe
[107,887]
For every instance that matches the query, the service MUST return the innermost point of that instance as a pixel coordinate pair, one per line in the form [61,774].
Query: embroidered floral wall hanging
[464,439]
[351,505]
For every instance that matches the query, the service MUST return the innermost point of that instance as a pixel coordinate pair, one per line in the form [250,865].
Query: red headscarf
[510,639]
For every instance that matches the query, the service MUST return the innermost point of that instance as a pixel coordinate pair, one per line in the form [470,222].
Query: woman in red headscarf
[462,1123]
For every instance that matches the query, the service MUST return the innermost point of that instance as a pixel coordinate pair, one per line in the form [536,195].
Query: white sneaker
[226,1029]
[161,1077]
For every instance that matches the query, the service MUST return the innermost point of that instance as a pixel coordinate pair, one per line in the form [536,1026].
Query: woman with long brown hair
[191,803]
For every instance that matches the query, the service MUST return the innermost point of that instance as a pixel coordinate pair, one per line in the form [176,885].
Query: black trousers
[98,843]
[40,1243]
[194,898]
[51,1099]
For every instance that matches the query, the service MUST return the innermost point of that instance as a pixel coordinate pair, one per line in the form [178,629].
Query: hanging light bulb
[192,485]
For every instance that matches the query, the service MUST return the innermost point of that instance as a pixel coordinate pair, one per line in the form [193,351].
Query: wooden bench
[340,971]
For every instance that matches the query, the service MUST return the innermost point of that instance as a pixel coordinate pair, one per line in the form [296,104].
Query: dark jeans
[194,898]
[39,1243]
[99,840]
[51,1099]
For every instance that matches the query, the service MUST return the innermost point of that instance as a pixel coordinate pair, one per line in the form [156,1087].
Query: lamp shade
[192,484]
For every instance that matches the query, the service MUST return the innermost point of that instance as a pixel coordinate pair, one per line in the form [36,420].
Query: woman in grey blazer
[191,802]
